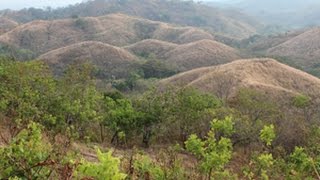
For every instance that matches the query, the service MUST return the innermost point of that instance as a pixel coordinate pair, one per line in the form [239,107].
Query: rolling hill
[117,61]
[186,56]
[200,54]
[304,46]
[227,22]
[115,29]
[302,50]
[287,13]
[110,61]
[266,75]
[151,47]
[7,25]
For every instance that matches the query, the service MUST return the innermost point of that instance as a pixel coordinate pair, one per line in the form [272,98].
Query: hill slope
[114,29]
[200,54]
[231,23]
[151,47]
[7,25]
[186,56]
[290,13]
[111,61]
[305,45]
[266,75]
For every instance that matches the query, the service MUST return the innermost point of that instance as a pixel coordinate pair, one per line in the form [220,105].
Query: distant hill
[151,47]
[289,13]
[303,49]
[227,22]
[200,54]
[117,62]
[186,56]
[115,29]
[266,75]
[110,61]
[7,25]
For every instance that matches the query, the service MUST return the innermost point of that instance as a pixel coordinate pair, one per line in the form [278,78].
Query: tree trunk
[146,136]
[101,133]
[114,137]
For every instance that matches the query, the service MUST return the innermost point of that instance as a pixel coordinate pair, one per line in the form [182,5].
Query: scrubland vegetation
[119,93]
[164,133]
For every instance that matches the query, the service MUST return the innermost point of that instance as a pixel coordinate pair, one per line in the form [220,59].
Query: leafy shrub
[106,169]
[27,156]
[146,169]
[267,134]
[212,153]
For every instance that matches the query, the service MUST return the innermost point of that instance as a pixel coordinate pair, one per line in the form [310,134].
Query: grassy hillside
[7,25]
[286,13]
[115,29]
[303,50]
[110,61]
[231,23]
[65,128]
[266,75]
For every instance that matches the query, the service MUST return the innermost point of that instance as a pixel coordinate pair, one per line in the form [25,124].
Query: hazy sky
[19,4]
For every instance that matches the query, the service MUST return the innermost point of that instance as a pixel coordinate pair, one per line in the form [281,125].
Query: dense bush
[46,116]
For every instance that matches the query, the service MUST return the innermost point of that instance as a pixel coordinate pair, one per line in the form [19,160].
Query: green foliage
[121,117]
[300,161]
[25,156]
[225,126]
[78,100]
[301,101]
[267,134]
[189,111]
[26,91]
[106,169]
[195,146]
[212,153]
[15,53]
[255,105]
[81,23]
[156,69]
[129,83]
[147,169]
[265,161]
[166,167]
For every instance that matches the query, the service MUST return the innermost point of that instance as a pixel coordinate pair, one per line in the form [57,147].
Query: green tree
[107,168]
[121,118]
[27,156]
[267,134]
[212,153]
[78,102]
[153,106]
[190,111]
[27,89]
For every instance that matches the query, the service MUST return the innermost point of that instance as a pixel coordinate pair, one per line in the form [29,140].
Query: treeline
[250,137]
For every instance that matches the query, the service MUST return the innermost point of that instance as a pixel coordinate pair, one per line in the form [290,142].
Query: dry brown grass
[267,75]
[305,46]
[114,29]
[188,56]
[151,47]
[200,54]
[110,59]
[116,59]
[7,25]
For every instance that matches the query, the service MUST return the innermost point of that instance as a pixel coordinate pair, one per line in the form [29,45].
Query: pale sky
[20,4]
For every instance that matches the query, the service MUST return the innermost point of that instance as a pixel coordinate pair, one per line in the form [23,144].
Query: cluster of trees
[44,115]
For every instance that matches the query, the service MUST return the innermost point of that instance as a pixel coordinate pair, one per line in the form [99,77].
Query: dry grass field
[266,75]
[115,29]
[113,61]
